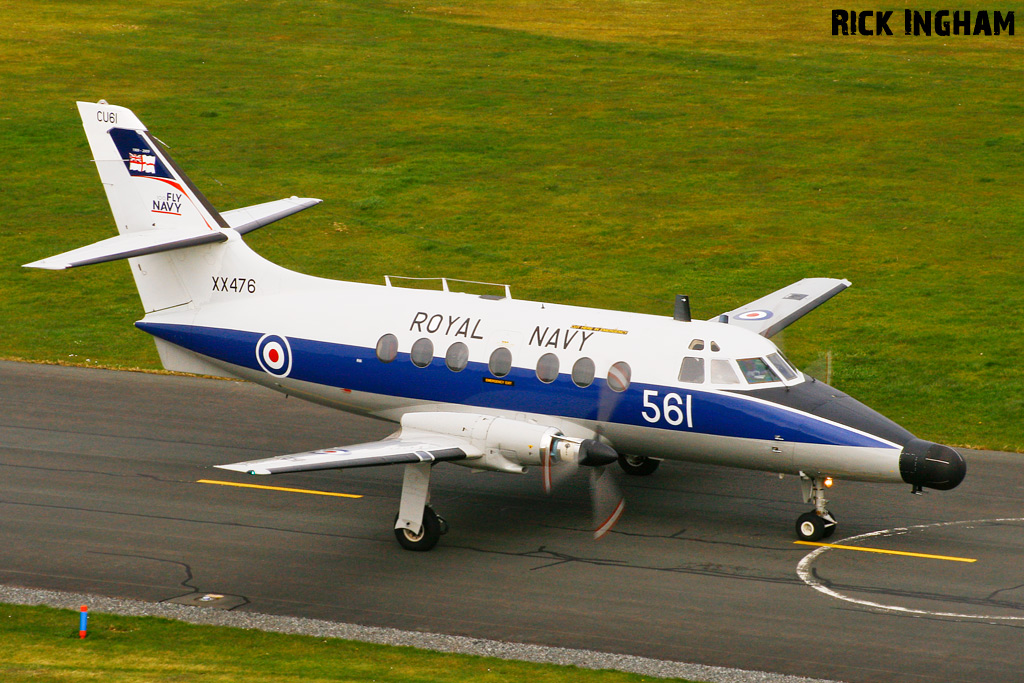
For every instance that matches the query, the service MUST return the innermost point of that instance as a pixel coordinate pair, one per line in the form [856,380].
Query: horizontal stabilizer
[770,314]
[129,245]
[252,217]
[410,448]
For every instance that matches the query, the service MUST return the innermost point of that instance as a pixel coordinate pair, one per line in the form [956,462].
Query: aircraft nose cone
[923,463]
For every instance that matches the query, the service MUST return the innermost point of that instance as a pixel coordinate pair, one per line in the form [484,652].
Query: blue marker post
[83,621]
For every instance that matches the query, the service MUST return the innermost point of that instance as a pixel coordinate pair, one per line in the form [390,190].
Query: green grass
[608,154]
[42,645]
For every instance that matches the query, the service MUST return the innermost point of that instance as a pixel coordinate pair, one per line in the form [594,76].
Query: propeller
[564,457]
[607,499]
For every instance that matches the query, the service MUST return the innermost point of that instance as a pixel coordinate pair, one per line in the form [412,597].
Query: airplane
[487,381]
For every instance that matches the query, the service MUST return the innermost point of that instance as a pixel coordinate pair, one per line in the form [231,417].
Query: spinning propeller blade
[607,500]
[558,463]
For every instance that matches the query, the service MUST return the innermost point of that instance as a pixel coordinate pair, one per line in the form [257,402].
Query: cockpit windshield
[782,365]
[770,368]
[757,371]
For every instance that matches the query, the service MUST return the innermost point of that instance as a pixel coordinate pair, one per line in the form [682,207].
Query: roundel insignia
[274,355]
[754,315]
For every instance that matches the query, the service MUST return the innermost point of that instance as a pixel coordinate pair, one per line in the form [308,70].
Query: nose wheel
[819,523]
[811,526]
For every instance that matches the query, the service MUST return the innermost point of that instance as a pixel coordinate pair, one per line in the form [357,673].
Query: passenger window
[722,372]
[783,366]
[697,345]
[756,371]
[500,363]
[583,372]
[692,370]
[422,352]
[547,368]
[387,348]
[457,357]
[618,376]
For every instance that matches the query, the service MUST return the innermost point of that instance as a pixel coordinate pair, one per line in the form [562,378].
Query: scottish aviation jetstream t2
[486,382]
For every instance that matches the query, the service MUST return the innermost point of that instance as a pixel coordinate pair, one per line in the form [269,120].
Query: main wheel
[427,537]
[638,465]
[810,527]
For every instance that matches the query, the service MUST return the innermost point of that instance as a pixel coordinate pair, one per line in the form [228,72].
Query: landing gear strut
[417,526]
[819,523]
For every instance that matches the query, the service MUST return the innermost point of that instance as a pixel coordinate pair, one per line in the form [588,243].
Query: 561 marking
[673,408]
[239,285]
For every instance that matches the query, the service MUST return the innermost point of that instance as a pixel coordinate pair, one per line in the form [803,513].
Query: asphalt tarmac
[102,494]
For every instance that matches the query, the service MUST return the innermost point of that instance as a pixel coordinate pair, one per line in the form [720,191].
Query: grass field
[607,153]
[42,644]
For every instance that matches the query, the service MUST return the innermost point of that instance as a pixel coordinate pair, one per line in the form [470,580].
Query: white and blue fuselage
[485,381]
[327,334]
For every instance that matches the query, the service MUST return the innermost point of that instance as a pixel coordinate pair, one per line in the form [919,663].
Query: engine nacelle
[507,445]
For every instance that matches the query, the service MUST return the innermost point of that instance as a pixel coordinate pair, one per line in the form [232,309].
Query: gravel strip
[587,659]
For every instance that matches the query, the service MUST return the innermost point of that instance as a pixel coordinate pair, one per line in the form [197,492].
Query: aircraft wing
[409,448]
[776,311]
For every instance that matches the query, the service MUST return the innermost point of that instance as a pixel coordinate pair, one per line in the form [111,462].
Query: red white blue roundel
[754,315]
[274,355]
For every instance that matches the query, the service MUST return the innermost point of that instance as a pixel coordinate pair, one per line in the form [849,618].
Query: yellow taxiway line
[277,488]
[887,552]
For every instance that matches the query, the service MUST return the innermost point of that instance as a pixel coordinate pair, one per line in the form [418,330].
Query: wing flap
[395,451]
[772,313]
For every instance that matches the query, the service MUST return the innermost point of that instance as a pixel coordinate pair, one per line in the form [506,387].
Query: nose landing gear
[819,523]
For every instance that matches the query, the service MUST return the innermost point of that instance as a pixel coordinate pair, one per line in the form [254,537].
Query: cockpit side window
[722,372]
[697,345]
[692,370]
[782,365]
[756,371]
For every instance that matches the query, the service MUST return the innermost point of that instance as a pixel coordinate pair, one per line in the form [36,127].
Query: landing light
[828,482]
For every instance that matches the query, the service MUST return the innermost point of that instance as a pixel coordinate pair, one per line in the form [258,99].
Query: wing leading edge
[774,312]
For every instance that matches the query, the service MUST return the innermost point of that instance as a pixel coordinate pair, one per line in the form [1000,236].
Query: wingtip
[47,264]
[244,468]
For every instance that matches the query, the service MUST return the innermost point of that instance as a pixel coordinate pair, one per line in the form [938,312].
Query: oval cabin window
[387,348]
[619,375]
[583,372]
[457,357]
[500,363]
[422,352]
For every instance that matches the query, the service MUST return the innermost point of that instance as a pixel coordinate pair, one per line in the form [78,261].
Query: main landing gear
[417,526]
[818,523]
[638,465]
[432,529]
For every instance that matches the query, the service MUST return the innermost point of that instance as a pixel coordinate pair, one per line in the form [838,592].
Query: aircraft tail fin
[158,210]
[146,189]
